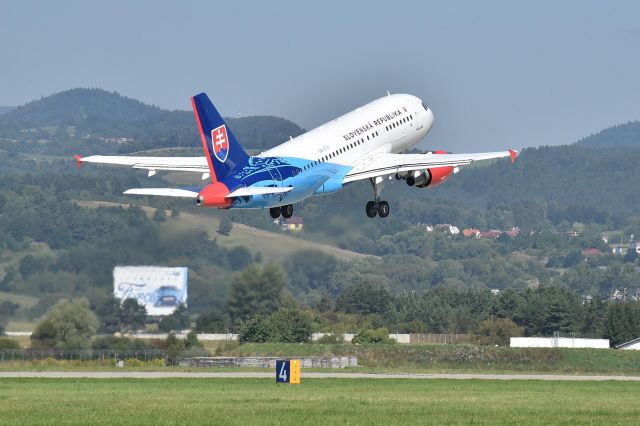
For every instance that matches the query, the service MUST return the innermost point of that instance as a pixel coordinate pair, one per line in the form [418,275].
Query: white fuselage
[391,124]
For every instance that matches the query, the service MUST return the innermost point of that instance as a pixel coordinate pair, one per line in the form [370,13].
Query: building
[470,232]
[445,227]
[494,233]
[294,223]
[619,249]
[513,232]
[557,342]
[631,344]
[591,251]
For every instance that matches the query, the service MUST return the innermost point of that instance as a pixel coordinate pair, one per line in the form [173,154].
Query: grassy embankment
[273,246]
[319,401]
[398,359]
[458,358]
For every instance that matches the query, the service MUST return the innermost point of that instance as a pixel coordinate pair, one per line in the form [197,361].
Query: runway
[263,375]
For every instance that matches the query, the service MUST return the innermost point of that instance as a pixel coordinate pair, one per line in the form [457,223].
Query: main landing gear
[285,211]
[377,207]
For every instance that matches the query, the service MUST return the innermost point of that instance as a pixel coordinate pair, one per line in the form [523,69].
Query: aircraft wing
[190,193]
[385,164]
[152,164]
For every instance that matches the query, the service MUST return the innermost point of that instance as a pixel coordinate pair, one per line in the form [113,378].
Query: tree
[622,322]
[364,298]
[133,315]
[239,257]
[287,325]
[177,321]
[174,347]
[67,325]
[160,215]
[212,322]
[310,270]
[108,310]
[497,331]
[192,342]
[255,292]
[631,256]
[7,310]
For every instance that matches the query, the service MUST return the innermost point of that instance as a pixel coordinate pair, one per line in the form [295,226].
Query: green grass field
[319,401]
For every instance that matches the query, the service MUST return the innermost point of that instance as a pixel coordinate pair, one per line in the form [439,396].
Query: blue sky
[496,73]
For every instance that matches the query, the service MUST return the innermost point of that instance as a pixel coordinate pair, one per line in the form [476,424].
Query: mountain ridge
[82,120]
[621,135]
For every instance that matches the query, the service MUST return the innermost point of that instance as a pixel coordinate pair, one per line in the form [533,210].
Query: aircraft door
[275,176]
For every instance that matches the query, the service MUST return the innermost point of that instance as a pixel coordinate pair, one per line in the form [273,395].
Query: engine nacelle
[430,177]
[433,177]
[213,195]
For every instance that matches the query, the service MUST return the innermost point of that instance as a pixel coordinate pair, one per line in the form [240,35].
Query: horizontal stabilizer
[261,190]
[162,192]
[178,164]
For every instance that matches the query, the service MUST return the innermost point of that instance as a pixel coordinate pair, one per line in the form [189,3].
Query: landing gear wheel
[287,211]
[371,209]
[383,209]
[274,212]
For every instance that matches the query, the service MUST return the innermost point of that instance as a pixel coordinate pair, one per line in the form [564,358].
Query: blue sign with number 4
[282,371]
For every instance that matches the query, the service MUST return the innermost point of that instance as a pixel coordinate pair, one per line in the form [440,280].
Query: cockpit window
[426,108]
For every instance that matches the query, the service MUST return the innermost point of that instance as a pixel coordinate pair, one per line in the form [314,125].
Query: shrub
[212,322]
[496,331]
[363,298]
[6,343]
[177,321]
[67,325]
[288,325]
[329,339]
[192,342]
[175,347]
[119,343]
[379,335]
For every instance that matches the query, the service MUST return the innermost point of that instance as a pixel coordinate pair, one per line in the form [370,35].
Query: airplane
[364,144]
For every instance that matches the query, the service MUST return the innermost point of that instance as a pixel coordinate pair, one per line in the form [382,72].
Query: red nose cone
[213,195]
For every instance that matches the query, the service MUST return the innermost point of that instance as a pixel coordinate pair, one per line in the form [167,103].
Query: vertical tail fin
[222,149]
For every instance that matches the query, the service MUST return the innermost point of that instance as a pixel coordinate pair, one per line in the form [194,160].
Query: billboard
[159,289]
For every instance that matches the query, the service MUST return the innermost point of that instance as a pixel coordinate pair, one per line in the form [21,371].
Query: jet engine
[430,177]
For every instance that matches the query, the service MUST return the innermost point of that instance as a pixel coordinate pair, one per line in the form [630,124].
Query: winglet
[78,160]
[514,155]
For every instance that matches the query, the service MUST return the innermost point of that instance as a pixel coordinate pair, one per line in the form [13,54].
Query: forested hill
[97,121]
[627,134]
